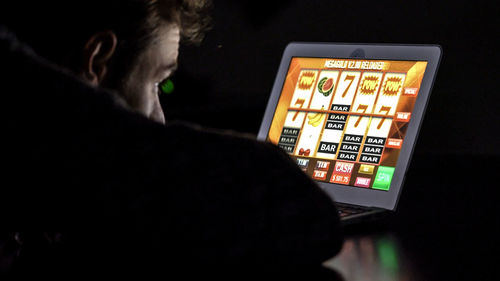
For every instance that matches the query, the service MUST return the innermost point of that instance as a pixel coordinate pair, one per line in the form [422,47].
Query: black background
[225,83]
[447,215]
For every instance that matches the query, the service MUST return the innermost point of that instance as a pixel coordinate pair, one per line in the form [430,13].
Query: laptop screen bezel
[429,53]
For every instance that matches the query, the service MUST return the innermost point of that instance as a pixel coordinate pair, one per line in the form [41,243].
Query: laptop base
[353,213]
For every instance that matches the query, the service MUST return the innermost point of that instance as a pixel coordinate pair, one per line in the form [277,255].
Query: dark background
[447,217]
[225,83]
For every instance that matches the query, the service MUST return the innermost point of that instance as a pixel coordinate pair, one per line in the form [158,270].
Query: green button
[383,178]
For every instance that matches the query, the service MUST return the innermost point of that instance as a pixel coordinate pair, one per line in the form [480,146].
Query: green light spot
[387,254]
[167,86]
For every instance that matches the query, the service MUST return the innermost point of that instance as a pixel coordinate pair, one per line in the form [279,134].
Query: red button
[394,143]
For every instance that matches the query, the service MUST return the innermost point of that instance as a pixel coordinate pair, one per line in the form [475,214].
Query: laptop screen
[344,120]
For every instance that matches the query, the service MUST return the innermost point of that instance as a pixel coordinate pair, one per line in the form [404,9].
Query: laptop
[349,116]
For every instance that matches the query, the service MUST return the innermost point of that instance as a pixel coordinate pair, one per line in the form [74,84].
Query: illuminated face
[153,66]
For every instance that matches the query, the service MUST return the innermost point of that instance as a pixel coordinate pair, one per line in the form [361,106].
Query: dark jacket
[131,195]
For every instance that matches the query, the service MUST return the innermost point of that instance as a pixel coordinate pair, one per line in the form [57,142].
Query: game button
[303,163]
[394,143]
[403,116]
[344,168]
[362,182]
[319,175]
[322,165]
[342,172]
[383,178]
[366,169]
[410,91]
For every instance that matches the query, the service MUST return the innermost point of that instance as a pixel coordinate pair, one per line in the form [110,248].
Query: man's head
[130,46]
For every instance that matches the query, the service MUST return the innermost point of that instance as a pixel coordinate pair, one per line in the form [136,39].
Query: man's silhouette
[95,182]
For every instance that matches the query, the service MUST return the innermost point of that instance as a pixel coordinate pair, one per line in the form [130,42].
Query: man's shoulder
[220,143]
[223,157]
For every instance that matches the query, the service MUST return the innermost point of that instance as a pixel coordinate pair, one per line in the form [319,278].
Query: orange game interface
[344,120]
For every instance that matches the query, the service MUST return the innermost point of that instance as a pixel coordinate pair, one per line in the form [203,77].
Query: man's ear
[96,56]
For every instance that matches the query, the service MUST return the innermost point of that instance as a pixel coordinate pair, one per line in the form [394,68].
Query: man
[112,191]
[129,46]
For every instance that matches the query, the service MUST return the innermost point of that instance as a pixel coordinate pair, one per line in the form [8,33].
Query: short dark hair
[57,29]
